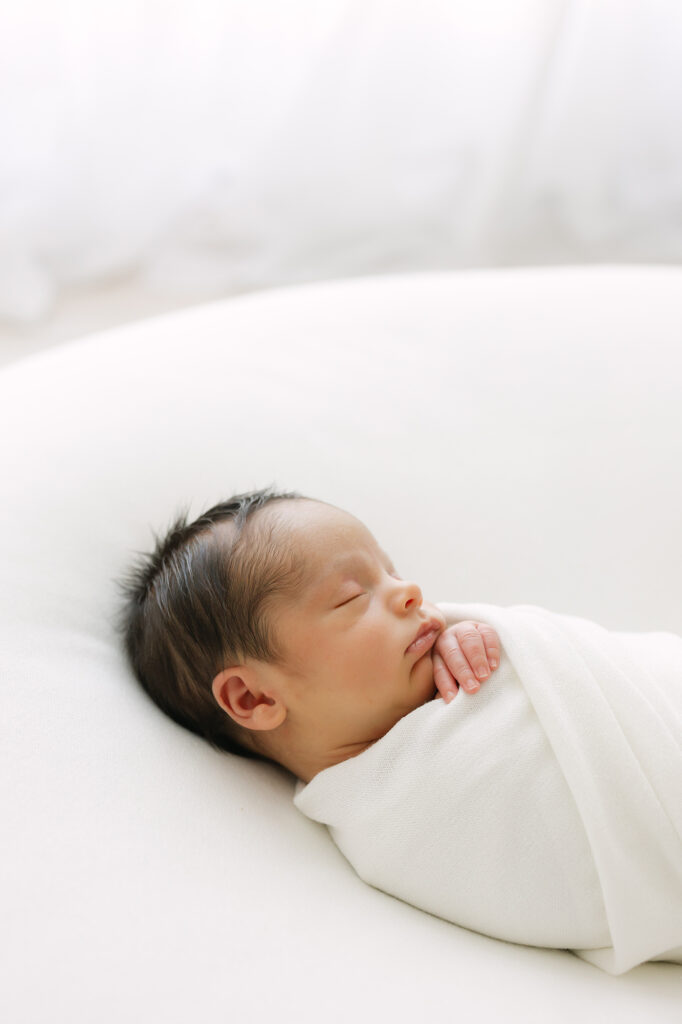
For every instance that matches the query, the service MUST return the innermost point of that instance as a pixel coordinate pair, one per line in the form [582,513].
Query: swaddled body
[547,812]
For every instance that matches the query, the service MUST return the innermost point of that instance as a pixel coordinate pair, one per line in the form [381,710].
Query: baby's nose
[411,595]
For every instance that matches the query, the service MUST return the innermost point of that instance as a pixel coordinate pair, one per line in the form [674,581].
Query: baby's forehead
[324,538]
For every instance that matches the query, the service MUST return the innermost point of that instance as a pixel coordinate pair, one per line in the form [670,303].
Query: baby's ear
[240,693]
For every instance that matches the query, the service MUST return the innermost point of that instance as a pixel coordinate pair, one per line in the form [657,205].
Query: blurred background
[157,154]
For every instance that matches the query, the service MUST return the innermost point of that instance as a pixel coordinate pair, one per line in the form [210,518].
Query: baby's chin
[425,689]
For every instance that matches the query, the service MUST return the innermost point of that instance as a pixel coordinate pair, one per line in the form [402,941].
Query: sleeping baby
[544,808]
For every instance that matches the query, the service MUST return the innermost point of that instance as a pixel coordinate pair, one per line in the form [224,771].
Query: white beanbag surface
[511,437]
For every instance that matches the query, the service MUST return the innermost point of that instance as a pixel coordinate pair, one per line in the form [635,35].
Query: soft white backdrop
[199,149]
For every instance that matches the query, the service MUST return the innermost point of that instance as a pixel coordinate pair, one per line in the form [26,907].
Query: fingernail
[472,686]
[493,663]
[482,673]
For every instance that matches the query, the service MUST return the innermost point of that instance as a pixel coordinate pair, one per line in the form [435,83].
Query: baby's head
[274,626]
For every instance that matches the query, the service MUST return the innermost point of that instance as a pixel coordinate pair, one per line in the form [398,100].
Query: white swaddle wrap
[544,810]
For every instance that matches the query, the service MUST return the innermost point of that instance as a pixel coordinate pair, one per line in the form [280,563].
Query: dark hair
[197,603]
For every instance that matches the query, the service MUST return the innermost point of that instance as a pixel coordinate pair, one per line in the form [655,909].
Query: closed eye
[349,599]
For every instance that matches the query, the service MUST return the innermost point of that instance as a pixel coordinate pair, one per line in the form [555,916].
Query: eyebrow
[354,560]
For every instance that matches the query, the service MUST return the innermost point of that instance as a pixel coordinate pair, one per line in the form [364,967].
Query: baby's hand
[459,651]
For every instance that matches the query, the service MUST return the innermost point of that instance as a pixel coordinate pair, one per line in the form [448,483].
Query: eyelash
[391,572]
[348,601]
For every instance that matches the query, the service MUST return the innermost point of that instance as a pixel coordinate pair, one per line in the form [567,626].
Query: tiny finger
[492,644]
[443,679]
[449,650]
[472,643]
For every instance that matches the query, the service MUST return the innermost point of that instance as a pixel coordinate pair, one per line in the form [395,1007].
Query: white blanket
[546,809]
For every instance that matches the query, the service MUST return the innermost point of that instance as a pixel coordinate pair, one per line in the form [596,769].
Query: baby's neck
[305,749]
[305,757]
[306,765]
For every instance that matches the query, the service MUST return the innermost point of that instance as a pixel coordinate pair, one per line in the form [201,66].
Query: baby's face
[358,639]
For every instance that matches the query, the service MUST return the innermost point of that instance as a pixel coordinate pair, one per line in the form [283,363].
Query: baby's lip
[425,637]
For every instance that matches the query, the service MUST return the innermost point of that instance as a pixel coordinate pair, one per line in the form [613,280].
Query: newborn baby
[276,627]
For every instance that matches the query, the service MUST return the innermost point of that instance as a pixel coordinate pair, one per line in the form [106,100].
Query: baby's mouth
[425,638]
